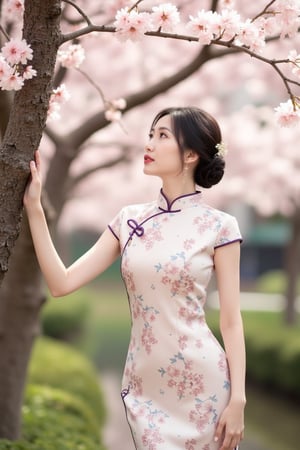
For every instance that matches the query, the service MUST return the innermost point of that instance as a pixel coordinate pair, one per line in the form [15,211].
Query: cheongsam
[176,381]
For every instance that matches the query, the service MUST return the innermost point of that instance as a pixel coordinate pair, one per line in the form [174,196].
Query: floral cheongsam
[176,381]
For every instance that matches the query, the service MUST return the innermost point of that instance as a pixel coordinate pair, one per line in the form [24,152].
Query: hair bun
[210,173]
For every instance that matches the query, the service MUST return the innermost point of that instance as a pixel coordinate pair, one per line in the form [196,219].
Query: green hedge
[273,350]
[274,282]
[65,318]
[63,407]
[55,420]
[58,365]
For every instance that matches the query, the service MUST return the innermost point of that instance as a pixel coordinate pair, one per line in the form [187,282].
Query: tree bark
[21,299]
[27,119]
[293,270]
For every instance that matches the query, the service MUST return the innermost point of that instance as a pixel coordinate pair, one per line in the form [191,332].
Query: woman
[180,389]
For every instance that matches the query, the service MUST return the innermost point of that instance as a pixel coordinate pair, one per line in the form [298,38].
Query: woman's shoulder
[138,210]
[217,213]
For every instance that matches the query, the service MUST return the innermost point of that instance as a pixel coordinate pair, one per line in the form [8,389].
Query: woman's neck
[173,191]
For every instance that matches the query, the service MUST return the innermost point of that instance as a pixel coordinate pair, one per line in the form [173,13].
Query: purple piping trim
[173,201]
[113,232]
[229,242]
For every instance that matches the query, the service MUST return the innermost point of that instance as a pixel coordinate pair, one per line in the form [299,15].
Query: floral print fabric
[176,381]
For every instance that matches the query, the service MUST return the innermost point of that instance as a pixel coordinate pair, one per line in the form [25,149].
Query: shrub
[274,282]
[273,350]
[59,366]
[65,318]
[54,419]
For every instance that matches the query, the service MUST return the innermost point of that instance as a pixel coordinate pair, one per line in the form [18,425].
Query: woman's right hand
[32,196]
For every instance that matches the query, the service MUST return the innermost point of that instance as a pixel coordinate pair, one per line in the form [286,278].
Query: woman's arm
[62,280]
[227,266]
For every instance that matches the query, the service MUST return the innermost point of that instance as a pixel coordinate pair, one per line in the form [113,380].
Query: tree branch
[80,11]
[75,180]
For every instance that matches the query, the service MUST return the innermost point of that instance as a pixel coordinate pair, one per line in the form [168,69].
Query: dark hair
[196,130]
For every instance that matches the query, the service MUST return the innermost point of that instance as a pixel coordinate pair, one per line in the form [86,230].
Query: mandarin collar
[179,203]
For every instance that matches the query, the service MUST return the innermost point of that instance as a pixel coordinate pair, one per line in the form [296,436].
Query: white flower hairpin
[221,149]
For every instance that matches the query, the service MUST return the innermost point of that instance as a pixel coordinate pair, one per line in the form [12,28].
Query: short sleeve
[115,225]
[229,232]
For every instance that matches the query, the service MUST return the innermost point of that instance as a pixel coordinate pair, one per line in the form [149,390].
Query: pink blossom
[227,4]
[132,25]
[15,8]
[288,19]
[268,24]
[29,73]
[295,62]
[165,17]
[227,23]
[119,103]
[53,112]
[251,36]
[61,94]
[286,114]
[202,26]
[5,68]
[113,115]
[72,57]
[17,51]
[13,82]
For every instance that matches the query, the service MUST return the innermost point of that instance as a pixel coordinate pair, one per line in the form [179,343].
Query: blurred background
[261,188]
[93,167]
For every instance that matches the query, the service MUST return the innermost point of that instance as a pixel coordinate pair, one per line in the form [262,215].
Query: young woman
[180,389]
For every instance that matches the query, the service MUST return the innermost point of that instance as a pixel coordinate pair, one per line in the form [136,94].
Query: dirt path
[117,435]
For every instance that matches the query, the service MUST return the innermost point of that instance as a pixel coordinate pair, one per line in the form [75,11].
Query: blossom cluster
[14,69]
[58,97]
[71,57]
[14,9]
[282,17]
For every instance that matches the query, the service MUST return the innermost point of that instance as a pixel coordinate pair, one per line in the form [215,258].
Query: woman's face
[162,155]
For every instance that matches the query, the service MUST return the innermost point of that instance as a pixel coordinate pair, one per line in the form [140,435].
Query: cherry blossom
[72,57]
[58,97]
[113,109]
[17,51]
[295,61]
[165,17]
[5,68]
[251,36]
[119,103]
[288,19]
[202,26]
[13,82]
[14,8]
[229,24]
[286,114]
[131,25]
[113,115]
[29,73]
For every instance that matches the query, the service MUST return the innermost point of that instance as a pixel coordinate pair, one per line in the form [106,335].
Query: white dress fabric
[176,381]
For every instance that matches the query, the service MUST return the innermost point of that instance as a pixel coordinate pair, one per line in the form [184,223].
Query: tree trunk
[27,119]
[293,270]
[21,299]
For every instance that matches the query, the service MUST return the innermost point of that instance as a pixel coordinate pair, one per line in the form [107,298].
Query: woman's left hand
[230,428]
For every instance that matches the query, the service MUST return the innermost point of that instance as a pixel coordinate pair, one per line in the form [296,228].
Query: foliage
[274,282]
[54,419]
[64,318]
[59,366]
[273,350]
[63,407]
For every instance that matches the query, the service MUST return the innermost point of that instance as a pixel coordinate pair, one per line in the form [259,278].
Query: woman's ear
[190,157]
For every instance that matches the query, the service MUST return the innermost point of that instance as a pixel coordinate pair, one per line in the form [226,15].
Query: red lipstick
[148,159]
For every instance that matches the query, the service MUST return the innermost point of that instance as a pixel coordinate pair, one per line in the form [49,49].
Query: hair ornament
[221,149]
